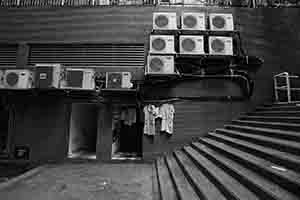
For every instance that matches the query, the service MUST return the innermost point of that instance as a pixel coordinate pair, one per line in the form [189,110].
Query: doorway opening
[4,130]
[127,137]
[83,131]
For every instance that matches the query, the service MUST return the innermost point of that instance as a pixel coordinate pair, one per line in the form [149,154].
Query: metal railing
[283,82]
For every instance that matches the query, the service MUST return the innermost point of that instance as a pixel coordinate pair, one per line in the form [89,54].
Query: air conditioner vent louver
[161,21]
[158,44]
[156,65]
[188,44]
[217,45]
[12,79]
[218,22]
[190,21]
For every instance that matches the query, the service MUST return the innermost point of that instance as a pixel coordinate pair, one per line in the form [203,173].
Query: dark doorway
[127,137]
[4,128]
[83,131]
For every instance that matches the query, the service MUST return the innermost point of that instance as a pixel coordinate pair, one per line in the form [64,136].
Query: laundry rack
[285,82]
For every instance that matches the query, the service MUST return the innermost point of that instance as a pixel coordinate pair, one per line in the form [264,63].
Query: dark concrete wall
[272,34]
[41,124]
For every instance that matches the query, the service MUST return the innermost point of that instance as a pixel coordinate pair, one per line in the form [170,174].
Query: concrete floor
[86,181]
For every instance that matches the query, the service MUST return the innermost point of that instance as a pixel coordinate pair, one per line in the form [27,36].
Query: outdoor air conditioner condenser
[78,79]
[193,21]
[191,44]
[18,79]
[219,45]
[164,21]
[160,65]
[221,22]
[162,44]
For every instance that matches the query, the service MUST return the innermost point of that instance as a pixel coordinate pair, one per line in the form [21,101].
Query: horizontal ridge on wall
[119,55]
[8,54]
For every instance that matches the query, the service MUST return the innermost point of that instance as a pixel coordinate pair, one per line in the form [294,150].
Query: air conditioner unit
[191,44]
[78,79]
[164,21]
[221,22]
[162,44]
[1,79]
[47,75]
[220,45]
[118,80]
[160,65]
[193,21]
[18,79]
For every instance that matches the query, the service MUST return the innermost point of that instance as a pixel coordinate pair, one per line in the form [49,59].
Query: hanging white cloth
[151,113]
[167,114]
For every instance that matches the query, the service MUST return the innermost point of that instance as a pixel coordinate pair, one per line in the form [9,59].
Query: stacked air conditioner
[199,34]
[160,60]
[221,45]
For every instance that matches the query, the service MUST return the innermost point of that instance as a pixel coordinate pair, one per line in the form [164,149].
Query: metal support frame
[286,87]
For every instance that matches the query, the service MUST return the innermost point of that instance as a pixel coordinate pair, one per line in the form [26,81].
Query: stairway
[257,156]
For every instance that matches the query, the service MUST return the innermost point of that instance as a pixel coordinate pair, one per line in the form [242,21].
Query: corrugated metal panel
[8,54]
[88,54]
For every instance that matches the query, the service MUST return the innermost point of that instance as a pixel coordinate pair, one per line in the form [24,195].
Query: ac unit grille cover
[190,21]
[12,78]
[114,80]
[156,65]
[159,44]
[161,21]
[219,22]
[74,78]
[218,45]
[188,44]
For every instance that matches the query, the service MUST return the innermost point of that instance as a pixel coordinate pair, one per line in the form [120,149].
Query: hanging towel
[128,115]
[151,113]
[167,114]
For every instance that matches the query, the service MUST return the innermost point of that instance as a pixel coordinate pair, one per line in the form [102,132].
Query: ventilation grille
[8,54]
[88,54]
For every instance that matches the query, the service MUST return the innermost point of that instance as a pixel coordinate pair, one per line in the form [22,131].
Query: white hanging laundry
[151,113]
[167,114]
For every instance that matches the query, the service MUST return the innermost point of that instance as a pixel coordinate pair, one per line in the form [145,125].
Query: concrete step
[226,183]
[287,179]
[282,145]
[275,133]
[278,108]
[275,125]
[183,188]
[166,189]
[264,188]
[276,113]
[271,119]
[281,158]
[203,186]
